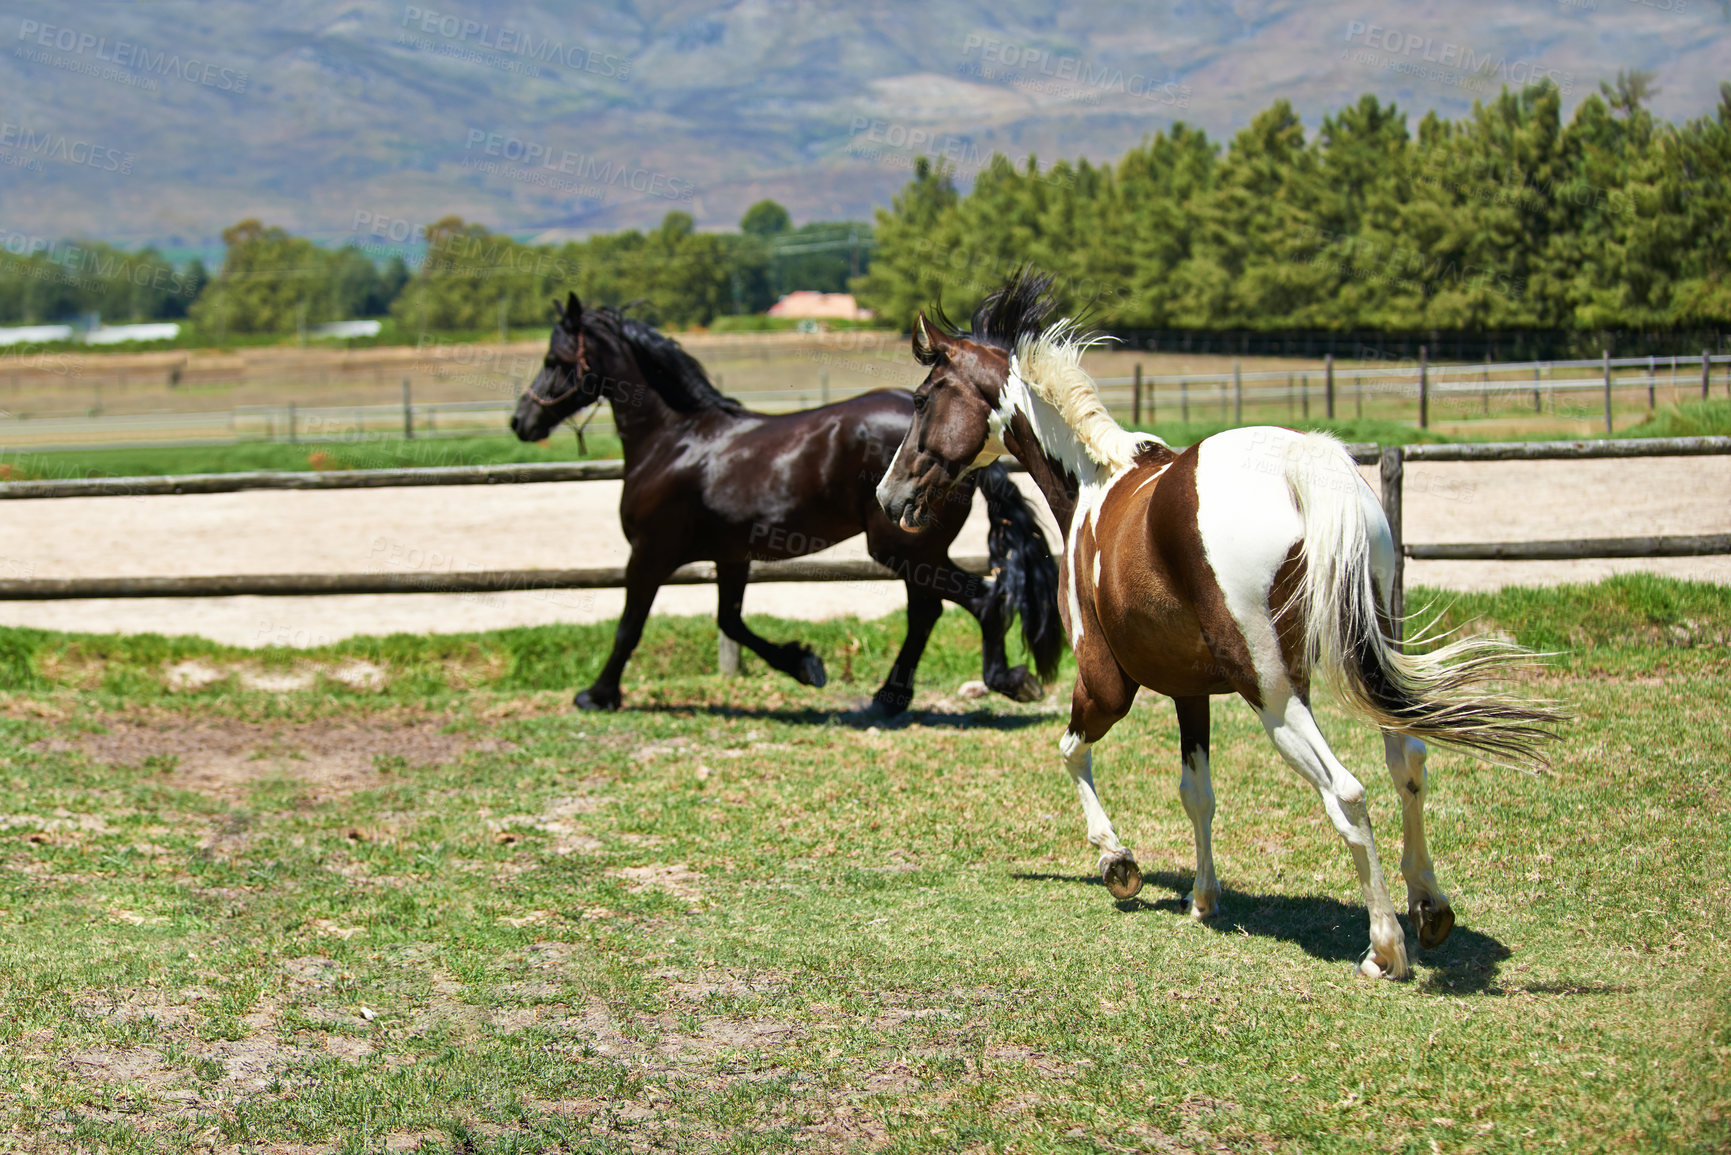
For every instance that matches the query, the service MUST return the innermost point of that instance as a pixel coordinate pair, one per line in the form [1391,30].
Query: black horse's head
[571,376]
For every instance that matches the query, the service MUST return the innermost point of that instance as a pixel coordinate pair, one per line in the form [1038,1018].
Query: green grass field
[395,894]
[1697,419]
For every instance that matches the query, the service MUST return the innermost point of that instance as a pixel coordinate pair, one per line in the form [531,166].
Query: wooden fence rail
[466,582]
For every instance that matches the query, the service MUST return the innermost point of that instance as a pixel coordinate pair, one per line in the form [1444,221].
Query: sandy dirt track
[529,526]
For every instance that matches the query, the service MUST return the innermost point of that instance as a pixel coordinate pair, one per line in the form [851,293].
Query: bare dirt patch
[225,758]
[675,878]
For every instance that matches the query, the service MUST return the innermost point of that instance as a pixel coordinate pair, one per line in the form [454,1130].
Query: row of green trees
[476,279]
[42,281]
[1508,218]
[469,278]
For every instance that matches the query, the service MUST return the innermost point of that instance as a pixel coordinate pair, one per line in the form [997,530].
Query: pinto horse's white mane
[1051,365]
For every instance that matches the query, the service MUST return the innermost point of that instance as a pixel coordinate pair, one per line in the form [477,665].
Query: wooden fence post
[1136,396]
[727,656]
[822,389]
[1237,392]
[291,422]
[1423,387]
[1652,383]
[1392,466]
[408,413]
[1706,366]
[1607,354]
[1328,380]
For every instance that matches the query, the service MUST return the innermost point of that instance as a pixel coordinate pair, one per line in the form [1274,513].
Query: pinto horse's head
[953,430]
[569,380]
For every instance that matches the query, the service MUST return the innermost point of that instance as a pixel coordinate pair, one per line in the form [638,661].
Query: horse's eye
[919,402]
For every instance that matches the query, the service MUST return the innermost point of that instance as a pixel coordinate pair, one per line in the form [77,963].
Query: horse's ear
[930,341]
[573,307]
[559,308]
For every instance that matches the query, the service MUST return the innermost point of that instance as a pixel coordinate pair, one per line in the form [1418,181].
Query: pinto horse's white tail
[1343,599]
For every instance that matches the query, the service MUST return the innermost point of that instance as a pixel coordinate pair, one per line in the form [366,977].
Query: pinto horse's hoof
[597,698]
[1394,967]
[1123,878]
[810,671]
[1432,923]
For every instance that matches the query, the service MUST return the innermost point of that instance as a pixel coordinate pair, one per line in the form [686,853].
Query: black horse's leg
[924,609]
[978,596]
[794,659]
[643,580]
[1017,683]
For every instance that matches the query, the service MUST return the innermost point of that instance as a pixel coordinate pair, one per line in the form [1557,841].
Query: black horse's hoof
[598,698]
[810,670]
[1022,685]
[890,702]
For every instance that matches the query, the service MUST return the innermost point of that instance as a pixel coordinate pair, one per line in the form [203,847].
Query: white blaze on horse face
[883,491]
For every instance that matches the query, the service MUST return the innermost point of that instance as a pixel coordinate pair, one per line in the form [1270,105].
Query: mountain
[340,119]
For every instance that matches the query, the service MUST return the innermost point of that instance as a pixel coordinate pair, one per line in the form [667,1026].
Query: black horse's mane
[673,373]
[1021,307]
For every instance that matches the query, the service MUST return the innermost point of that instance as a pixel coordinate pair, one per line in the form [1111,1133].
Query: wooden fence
[1395,389]
[1391,462]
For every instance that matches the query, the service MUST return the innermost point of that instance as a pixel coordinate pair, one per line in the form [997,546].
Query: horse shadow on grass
[1326,928]
[857,718]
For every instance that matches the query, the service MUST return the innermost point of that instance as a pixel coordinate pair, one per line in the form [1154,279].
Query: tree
[765,219]
[270,282]
[915,229]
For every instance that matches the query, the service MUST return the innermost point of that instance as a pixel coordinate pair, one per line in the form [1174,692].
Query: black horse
[708,480]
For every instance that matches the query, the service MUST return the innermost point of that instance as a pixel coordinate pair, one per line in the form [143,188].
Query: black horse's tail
[1025,577]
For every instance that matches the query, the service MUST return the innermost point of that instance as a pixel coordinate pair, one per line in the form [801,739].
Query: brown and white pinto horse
[1243,564]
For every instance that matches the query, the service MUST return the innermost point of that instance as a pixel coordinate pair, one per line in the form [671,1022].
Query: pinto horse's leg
[794,659]
[1196,788]
[924,609]
[1427,907]
[1294,732]
[1094,709]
